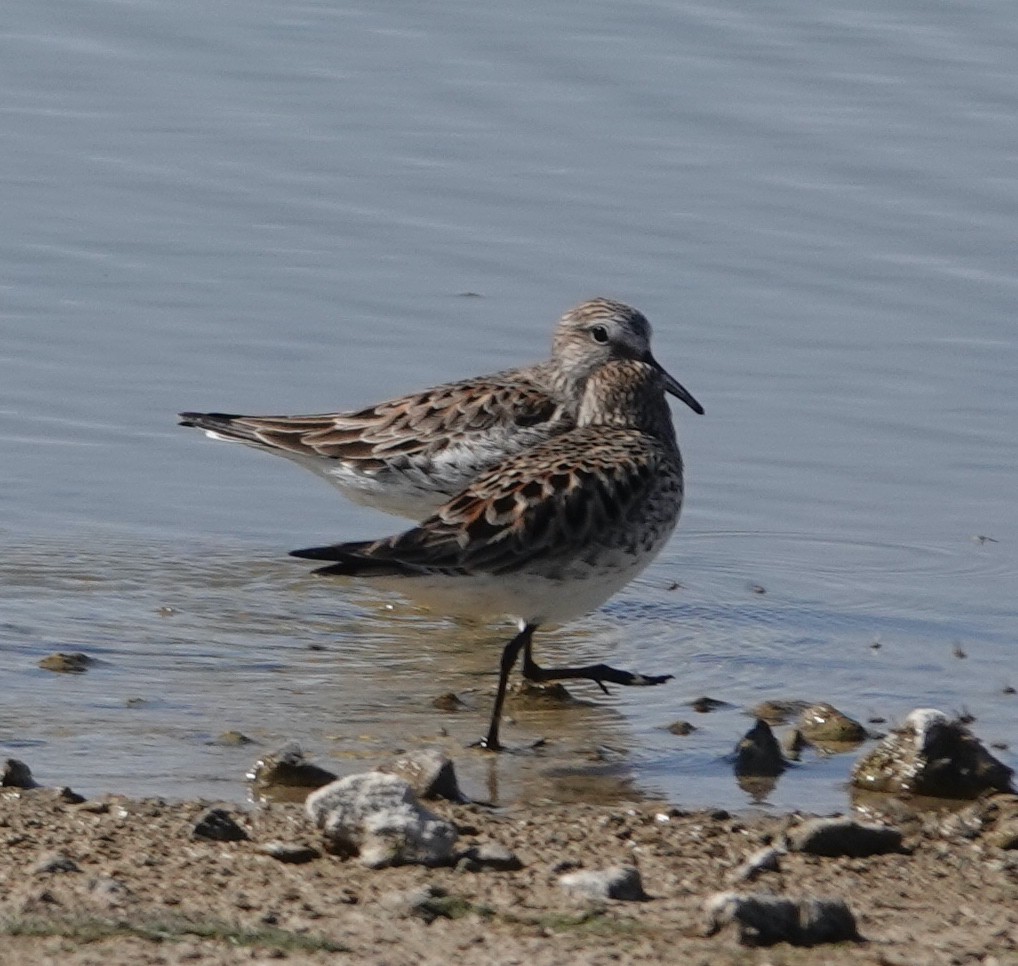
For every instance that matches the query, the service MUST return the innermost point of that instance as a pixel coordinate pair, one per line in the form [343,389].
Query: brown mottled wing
[561,495]
[419,425]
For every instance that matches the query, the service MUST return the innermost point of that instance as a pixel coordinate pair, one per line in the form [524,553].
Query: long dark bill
[679,391]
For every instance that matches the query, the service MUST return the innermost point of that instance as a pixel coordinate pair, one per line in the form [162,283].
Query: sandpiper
[408,456]
[548,534]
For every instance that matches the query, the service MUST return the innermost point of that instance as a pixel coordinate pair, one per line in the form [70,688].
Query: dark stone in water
[76,663]
[758,753]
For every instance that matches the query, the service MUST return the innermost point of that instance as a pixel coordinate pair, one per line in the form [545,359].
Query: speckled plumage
[409,455]
[550,533]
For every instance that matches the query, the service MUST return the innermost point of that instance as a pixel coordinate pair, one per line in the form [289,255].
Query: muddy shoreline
[127,881]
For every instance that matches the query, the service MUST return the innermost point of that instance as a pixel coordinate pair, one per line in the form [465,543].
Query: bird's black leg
[509,655]
[598,673]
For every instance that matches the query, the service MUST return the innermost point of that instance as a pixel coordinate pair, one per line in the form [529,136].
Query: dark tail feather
[223,423]
[351,561]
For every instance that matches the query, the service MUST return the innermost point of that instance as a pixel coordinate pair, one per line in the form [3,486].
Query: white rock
[376,817]
[621,882]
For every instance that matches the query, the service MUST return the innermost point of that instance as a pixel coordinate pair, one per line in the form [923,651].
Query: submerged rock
[825,724]
[76,663]
[288,768]
[758,753]
[777,711]
[376,817]
[764,919]
[933,755]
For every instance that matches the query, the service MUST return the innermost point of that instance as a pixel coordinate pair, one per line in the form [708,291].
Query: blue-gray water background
[263,207]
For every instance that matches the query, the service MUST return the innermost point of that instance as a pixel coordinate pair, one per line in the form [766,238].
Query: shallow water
[267,209]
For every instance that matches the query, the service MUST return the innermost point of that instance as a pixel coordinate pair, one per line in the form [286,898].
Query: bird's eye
[599,333]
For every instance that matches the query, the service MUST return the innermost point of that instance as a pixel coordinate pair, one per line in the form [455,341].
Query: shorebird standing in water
[410,455]
[551,533]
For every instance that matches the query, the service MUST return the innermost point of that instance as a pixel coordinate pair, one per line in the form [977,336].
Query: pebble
[843,836]
[376,817]
[763,860]
[218,825]
[825,723]
[289,852]
[287,767]
[621,882]
[764,919]
[76,663]
[681,728]
[57,862]
[489,855]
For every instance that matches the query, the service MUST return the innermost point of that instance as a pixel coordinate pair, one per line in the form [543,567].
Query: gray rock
[218,825]
[758,753]
[764,919]
[843,836]
[489,855]
[931,754]
[620,882]
[429,773]
[763,860]
[375,816]
[289,852]
[17,774]
[55,863]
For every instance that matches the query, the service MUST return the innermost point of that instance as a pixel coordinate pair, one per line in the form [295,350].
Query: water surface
[257,208]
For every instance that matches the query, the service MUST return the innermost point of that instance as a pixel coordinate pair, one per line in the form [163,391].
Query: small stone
[288,768]
[55,863]
[289,853]
[825,724]
[218,825]
[622,883]
[427,902]
[843,836]
[706,705]
[763,860]
[76,663]
[758,753]
[429,773]
[1005,835]
[681,728]
[233,739]
[490,855]
[108,891]
[376,817]
[448,702]
[17,774]
[763,919]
